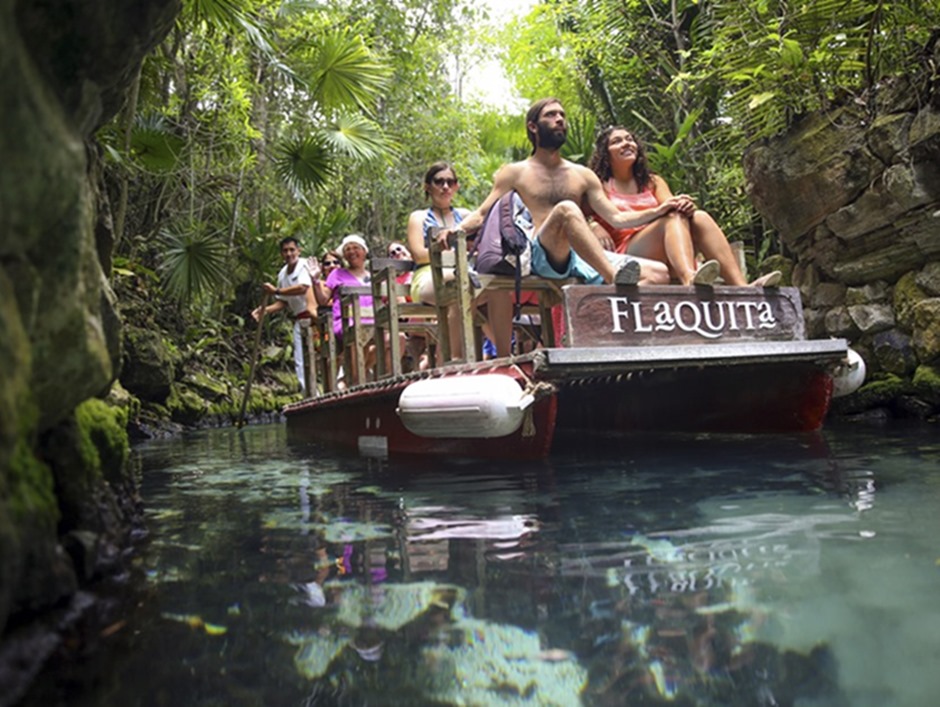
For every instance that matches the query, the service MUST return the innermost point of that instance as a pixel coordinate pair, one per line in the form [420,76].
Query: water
[667,570]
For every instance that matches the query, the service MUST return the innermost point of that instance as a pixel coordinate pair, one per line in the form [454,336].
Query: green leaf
[193,265]
[760,99]
[304,162]
[153,143]
[358,137]
[345,73]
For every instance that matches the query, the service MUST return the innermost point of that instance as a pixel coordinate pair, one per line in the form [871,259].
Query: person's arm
[415,237]
[275,306]
[323,290]
[504,180]
[605,208]
[683,203]
[292,291]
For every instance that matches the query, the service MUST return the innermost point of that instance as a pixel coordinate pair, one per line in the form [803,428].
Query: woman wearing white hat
[355,251]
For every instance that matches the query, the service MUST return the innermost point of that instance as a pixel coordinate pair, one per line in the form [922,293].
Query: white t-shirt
[300,276]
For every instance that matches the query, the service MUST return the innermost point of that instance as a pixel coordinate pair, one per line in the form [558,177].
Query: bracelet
[277,290]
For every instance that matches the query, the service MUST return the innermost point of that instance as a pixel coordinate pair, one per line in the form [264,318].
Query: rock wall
[64,68]
[855,198]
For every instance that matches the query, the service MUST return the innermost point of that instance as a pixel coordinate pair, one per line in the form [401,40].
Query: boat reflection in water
[675,615]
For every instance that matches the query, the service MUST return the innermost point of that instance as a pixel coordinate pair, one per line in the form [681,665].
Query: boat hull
[749,399]
[367,420]
[750,388]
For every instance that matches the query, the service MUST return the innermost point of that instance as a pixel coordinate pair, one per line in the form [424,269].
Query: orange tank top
[626,202]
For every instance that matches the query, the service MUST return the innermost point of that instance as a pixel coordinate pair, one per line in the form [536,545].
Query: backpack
[502,245]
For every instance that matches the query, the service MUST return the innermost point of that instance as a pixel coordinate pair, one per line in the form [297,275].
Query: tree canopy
[258,119]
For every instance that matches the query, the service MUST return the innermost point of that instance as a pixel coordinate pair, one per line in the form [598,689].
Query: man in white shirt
[292,292]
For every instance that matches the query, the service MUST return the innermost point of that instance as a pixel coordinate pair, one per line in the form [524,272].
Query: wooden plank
[605,315]
[563,363]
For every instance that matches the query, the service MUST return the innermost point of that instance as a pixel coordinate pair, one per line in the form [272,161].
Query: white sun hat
[354,239]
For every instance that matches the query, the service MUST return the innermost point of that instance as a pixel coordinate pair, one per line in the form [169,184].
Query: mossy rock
[87,452]
[103,431]
[185,405]
[881,392]
[149,364]
[927,383]
[121,397]
[208,387]
[907,294]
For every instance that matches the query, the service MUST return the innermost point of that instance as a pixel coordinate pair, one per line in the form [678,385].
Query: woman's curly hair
[600,158]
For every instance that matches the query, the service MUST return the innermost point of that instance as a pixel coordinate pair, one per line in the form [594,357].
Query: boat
[632,359]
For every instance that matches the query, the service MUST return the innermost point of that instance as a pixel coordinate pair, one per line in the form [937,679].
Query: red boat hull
[768,398]
[367,420]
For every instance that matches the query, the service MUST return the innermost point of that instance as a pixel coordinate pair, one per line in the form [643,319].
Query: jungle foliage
[699,80]
[258,119]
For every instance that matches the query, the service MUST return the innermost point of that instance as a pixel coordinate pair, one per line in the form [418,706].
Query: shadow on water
[648,570]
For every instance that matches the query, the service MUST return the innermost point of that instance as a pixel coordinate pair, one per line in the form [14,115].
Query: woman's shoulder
[418,216]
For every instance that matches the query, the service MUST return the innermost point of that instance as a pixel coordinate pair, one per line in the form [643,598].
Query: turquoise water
[663,570]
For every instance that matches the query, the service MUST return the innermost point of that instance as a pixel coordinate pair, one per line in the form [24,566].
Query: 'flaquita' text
[707,319]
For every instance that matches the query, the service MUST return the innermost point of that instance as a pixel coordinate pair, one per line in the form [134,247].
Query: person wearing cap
[292,293]
[355,251]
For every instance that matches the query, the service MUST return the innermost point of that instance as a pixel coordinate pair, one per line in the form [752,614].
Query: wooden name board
[670,314]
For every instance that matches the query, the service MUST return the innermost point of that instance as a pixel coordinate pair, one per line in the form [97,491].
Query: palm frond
[580,142]
[225,14]
[345,72]
[154,144]
[304,162]
[358,137]
[193,265]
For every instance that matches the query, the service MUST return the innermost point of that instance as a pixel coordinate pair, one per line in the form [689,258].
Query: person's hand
[268,288]
[603,237]
[313,267]
[685,205]
[447,237]
[256,314]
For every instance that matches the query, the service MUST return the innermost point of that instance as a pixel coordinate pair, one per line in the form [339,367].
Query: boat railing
[395,316]
[456,289]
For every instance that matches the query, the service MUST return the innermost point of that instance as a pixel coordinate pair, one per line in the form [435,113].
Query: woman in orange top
[676,229]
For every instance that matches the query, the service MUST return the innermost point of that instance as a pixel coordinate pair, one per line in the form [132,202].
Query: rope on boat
[537,389]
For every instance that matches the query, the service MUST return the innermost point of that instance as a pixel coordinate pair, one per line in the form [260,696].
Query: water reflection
[692,570]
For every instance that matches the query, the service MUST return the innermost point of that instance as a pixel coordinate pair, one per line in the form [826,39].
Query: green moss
[927,383]
[906,295]
[209,388]
[102,438]
[32,499]
[120,397]
[880,392]
[186,406]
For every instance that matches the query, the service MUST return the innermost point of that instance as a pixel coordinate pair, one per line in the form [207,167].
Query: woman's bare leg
[710,240]
[668,240]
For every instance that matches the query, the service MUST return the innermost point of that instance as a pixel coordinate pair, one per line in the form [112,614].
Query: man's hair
[535,112]
[600,159]
[285,241]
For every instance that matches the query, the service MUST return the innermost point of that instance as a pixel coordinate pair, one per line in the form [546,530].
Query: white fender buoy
[848,375]
[490,405]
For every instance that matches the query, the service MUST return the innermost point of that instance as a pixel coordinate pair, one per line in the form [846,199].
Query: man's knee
[568,210]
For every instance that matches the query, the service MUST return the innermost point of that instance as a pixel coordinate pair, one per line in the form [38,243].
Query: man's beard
[551,139]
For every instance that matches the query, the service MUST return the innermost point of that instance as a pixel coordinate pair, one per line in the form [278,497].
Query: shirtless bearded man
[563,245]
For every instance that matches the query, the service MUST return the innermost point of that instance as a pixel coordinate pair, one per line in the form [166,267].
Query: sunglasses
[444,181]
[398,250]
[330,263]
